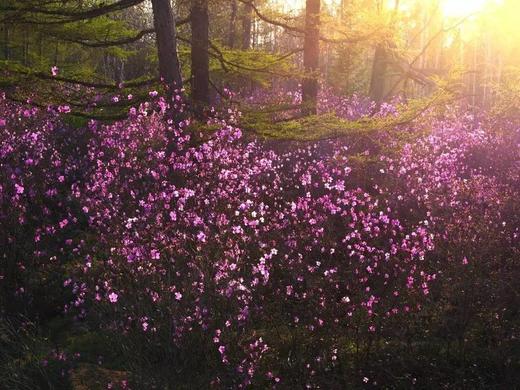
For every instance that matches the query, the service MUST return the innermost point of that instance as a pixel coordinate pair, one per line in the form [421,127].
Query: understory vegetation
[159,257]
[259,194]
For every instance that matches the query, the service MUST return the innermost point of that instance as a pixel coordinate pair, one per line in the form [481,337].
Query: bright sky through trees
[462,8]
[451,8]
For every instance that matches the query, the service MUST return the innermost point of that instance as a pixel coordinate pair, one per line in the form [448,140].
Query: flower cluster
[229,237]
[265,258]
[39,164]
[468,180]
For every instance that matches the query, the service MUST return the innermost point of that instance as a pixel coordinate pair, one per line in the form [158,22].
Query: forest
[259,194]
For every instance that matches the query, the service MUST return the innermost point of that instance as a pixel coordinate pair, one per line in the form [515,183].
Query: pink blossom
[113,297]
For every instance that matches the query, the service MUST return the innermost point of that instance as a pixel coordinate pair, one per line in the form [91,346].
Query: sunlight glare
[461,8]
[450,8]
[292,5]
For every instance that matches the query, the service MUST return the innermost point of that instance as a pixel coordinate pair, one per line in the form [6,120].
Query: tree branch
[118,42]
[72,16]
[411,72]
[88,84]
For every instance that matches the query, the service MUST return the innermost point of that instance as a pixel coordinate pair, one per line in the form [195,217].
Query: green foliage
[254,65]
[24,362]
[328,125]
[38,35]
[507,103]
[95,345]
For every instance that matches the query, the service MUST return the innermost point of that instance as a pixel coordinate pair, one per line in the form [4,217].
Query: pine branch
[84,83]
[65,16]
[118,42]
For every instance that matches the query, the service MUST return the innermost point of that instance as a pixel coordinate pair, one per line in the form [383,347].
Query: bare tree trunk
[56,53]
[166,40]
[311,57]
[199,53]
[247,26]
[377,80]
[232,24]
[40,46]
[119,70]
[476,73]
[7,51]
[380,63]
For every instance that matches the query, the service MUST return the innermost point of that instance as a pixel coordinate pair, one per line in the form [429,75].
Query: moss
[263,123]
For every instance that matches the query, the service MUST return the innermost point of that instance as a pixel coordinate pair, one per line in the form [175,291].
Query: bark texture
[232,24]
[311,57]
[377,80]
[166,40]
[247,26]
[199,53]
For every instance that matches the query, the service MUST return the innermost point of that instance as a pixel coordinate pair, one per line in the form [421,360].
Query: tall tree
[78,26]
[6,42]
[232,24]
[247,25]
[377,79]
[311,57]
[166,40]
[200,53]
[381,60]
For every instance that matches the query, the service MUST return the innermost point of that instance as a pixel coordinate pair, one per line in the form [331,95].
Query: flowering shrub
[229,239]
[254,265]
[39,162]
[467,179]
[347,107]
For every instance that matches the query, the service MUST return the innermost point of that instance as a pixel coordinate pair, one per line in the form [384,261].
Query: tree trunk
[377,80]
[40,46]
[7,51]
[380,63]
[232,24]
[56,53]
[166,40]
[119,70]
[199,53]
[247,26]
[25,47]
[311,57]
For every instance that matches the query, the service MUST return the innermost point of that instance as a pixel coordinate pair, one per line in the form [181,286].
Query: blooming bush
[468,180]
[243,264]
[230,239]
[346,107]
[39,163]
